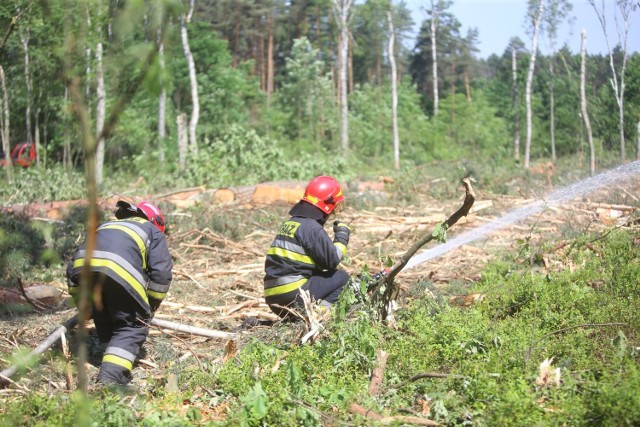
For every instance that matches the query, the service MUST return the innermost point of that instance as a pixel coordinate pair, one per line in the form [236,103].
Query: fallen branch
[196,308]
[368,413]
[36,304]
[188,276]
[426,375]
[378,373]
[384,291]
[180,327]
[41,348]
[73,321]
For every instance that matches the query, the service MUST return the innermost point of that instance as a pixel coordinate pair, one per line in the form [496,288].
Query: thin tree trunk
[514,103]
[532,64]
[467,86]
[626,7]
[638,136]
[162,101]
[338,71]
[350,66]
[183,141]
[269,59]
[552,113]
[24,38]
[195,113]
[583,102]
[36,136]
[66,140]
[87,70]
[4,126]
[394,91]
[342,12]
[40,159]
[100,111]
[434,56]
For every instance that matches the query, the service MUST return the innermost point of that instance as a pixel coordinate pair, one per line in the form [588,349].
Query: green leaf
[440,233]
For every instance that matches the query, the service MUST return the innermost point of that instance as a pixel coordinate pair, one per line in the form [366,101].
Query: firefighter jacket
[301,248]
[134,253]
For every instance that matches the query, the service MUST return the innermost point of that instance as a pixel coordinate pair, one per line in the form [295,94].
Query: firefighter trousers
[325,286]
[117,317]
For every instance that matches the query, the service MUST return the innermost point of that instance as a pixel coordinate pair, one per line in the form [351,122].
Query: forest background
[239,92]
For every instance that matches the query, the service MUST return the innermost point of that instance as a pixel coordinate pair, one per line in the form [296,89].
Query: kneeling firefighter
[303,256]
[131,273]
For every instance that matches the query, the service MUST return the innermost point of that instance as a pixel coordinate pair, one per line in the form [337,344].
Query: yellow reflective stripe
[156,295]
[291,255]
[136,238]
[117,360]
[341,247]
[285,288]
[137,286]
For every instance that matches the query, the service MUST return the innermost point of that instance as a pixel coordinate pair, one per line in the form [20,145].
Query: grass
[584,319]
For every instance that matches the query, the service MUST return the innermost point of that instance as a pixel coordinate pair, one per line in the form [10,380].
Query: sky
[498,21]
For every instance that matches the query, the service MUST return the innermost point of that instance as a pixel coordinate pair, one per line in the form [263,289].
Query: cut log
[278,192]
[46,295]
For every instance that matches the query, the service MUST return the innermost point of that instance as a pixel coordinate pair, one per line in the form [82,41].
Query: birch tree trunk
[532,64]
[552,112]
[342,13]
[24,39]
[195,113]
[66,140]
[183,141]
[514,103]
[638,136]
[4,126]
[100,110]
[434,56]
[162,101]
[36,133]
[625,7]
[394,90]
[583,102]
[270,71]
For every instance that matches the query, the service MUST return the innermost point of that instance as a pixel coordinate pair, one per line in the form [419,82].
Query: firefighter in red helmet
[303,256]
[131,273]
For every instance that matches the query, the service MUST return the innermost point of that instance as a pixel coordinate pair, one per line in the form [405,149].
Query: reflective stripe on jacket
[301,248]
[134,253]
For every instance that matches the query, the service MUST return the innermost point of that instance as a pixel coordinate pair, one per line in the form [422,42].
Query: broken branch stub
[385,290]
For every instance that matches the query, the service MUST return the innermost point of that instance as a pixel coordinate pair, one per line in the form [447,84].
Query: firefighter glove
[154,304]
[342,232]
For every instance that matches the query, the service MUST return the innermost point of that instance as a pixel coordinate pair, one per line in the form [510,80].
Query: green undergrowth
[475,365]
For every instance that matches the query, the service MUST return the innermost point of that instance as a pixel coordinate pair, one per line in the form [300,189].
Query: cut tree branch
[384,291]
[73,321]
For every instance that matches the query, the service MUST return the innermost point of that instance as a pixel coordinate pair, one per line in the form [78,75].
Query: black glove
[342,232]
[154,304]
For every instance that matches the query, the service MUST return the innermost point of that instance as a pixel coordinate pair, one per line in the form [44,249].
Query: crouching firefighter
[303,256]
[131,274]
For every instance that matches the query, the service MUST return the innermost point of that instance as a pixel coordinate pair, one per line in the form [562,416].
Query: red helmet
[153,214]
[323,192]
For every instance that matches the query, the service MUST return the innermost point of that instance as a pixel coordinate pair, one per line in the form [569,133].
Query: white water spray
[572,191]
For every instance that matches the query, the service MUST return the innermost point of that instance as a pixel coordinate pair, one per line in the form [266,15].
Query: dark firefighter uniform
[303,256]
[131,273]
